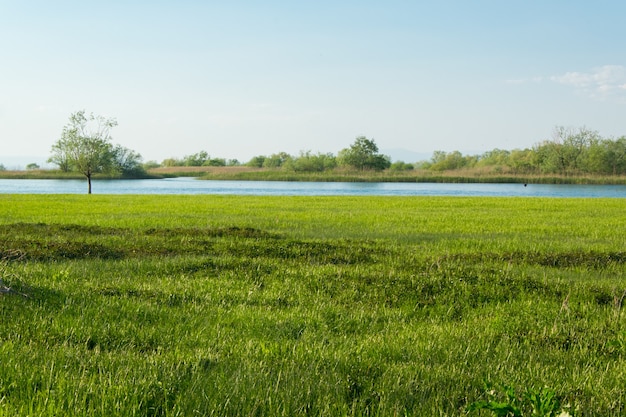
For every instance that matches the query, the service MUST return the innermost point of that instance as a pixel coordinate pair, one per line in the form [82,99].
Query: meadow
[323,306]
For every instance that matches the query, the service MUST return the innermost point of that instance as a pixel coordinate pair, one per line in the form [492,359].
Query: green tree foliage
[128,161]
[172,162]
[497,157]
[401,166]
[257,161]
[306,161]
[568,152]
[363,154]
[276,160]
[442,161]
[85,147]
[614,156]
[196,159]
[520,161]
[216,162]
[571,151]
[60,155]
[151,164]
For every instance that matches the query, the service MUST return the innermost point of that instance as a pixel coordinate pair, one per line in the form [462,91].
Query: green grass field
[323,306]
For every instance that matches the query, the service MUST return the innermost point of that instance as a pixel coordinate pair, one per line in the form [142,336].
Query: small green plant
[541,402]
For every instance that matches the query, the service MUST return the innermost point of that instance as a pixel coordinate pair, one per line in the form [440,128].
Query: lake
[187,185]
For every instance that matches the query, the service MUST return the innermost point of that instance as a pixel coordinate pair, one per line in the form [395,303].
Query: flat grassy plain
[325,306]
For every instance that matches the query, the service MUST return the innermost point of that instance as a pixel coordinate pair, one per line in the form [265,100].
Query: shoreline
[278,175]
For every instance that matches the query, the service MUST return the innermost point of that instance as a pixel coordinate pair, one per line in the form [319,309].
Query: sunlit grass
[224,305]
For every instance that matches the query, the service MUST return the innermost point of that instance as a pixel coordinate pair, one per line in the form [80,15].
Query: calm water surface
[194,186]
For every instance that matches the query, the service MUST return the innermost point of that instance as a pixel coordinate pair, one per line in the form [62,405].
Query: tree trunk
[89,184]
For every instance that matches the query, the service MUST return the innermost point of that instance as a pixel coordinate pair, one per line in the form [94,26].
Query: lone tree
[85,147]
[363,154]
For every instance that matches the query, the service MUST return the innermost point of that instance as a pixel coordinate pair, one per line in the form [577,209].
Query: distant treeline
[571,151]
[362,154]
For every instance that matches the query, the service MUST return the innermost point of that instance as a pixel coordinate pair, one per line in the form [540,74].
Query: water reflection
[194,186]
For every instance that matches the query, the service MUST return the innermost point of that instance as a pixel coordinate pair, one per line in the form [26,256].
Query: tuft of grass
[541,402]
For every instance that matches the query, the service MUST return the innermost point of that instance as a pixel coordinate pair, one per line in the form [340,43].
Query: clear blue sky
[242,78]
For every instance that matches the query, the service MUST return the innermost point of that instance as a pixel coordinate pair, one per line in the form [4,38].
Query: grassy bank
[233,305]
[244,173]
[341,175]
[53,174]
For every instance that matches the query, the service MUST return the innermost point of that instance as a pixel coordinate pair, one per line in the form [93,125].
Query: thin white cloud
[608,81]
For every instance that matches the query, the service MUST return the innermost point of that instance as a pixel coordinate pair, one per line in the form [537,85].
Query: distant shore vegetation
[572,152]
[572,155]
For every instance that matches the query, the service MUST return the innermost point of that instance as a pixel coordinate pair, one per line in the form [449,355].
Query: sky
[244,78]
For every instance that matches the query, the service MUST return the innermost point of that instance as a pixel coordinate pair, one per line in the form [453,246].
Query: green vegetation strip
[236,305]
